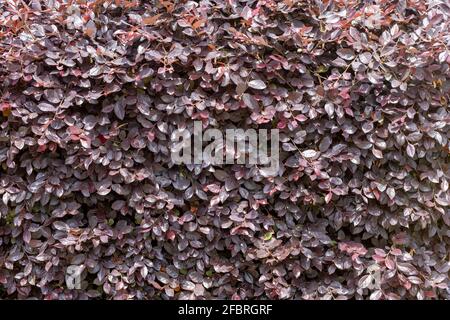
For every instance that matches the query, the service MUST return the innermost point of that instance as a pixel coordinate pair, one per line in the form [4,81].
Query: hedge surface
[92,92]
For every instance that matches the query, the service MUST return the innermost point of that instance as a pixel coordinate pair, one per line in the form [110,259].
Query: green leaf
[268,235]
[209,273]
[321,69]
[183,272]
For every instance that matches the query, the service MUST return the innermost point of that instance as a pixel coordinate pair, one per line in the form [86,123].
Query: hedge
[92,92]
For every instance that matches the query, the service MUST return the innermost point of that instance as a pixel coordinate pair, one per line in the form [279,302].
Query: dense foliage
[91,92]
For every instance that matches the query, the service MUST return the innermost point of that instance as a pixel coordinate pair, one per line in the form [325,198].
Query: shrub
[91,92]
